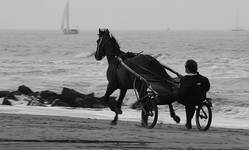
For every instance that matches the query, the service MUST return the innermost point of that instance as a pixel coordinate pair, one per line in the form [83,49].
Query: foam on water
[219,120]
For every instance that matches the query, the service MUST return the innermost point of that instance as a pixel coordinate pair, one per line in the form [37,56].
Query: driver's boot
[190,111]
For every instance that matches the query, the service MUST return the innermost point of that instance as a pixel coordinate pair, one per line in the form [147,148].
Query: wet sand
[39,132]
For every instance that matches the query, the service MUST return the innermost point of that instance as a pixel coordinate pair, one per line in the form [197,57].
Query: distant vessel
[237,28]
[65,27]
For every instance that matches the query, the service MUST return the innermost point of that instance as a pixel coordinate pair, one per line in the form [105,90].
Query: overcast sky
[125,14]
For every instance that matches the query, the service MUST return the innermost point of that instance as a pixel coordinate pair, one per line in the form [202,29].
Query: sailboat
[65,27]
[237,28]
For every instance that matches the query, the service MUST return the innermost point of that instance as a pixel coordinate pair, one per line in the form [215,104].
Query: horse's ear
[107,31]
[99,31]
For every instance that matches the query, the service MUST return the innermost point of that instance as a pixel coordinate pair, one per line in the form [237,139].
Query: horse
[120,78]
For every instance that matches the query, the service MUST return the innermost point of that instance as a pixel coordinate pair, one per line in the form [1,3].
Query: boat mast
[237,19]
[67,16]
[65,26]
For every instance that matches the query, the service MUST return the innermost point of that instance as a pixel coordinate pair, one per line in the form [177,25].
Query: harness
[121,57]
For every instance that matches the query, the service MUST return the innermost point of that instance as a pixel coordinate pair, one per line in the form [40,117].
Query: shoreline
[22,131]
[219,120]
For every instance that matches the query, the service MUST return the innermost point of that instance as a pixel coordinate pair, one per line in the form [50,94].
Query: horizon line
[39,29]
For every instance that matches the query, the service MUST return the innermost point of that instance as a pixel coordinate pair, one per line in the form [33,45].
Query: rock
[59,102]
[7,94]
[25,90]
[4,93]
[77,99]
[69,96]
[22,99]
[35,102]
[12,95]
[49,96]
[6,102]
[88,102]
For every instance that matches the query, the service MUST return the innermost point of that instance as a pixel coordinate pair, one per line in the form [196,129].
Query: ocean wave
[85,55]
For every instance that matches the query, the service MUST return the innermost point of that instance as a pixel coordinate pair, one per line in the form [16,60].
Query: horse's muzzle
[98,57]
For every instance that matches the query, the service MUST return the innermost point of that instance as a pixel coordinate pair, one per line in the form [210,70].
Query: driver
[192,91]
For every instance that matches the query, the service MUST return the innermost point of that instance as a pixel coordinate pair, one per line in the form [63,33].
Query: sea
[50,60]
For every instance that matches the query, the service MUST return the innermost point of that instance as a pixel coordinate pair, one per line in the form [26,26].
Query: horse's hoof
[177,119]
[114,123]
[118,111]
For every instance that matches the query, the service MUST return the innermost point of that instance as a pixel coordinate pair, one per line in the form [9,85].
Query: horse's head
[106,45]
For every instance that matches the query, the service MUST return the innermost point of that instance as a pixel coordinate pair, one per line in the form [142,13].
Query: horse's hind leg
[173,115]
[114,121]
[120,99]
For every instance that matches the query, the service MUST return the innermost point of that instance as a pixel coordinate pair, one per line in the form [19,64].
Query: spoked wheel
[203,117]
[149,114]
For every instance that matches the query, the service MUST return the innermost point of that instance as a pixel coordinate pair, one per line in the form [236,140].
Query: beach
[61,73]
[39,132]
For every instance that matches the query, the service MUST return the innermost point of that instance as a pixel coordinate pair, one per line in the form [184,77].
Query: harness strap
[136,74]
[171,70]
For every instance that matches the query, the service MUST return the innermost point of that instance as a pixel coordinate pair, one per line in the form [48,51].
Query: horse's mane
[123,55]
[116,44]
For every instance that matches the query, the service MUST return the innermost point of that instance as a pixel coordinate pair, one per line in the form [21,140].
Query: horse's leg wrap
[112,104]
[114,121]
[120,100]
[173,115]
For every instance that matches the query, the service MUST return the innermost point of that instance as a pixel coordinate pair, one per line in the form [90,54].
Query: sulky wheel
[203,116]
[149,114]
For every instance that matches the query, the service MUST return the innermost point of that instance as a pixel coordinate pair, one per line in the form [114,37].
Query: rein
[142,78]
[120,59]
[173,71]
[136,74]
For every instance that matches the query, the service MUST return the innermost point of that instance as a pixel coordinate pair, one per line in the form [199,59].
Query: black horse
[120,78]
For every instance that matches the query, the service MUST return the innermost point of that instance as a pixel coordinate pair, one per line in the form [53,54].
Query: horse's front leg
[119,104]
[112,104]
[173,115]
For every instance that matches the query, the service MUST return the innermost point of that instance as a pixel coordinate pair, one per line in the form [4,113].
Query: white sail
[237,28]
[65,25]
[64,18]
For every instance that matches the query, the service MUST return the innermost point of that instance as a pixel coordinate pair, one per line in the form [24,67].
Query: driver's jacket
[193,89]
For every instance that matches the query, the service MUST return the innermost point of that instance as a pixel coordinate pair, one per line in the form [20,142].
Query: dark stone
[49,96]
[4,93]
[77,99]
[25,90]
[12,95]
[88,102]
[6,102]
[69,96]
[59,102]
[16,93]
[35,102]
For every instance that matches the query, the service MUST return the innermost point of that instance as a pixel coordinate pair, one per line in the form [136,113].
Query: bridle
[105,38]
[101,44]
